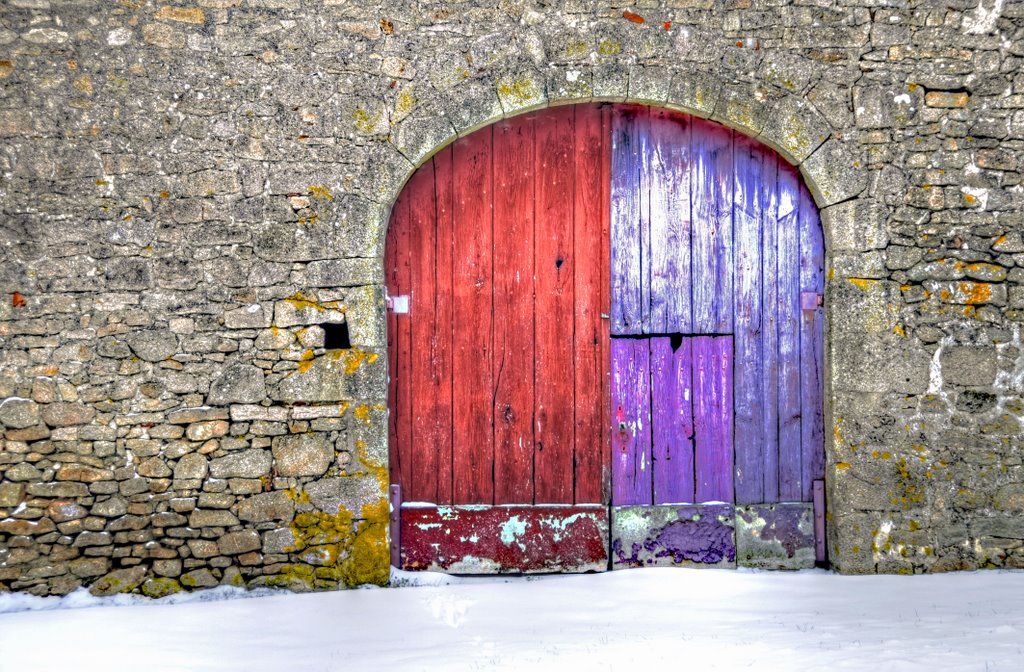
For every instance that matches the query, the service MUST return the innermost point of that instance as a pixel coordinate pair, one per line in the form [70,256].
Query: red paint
[472,320]
[514,144]
[501,539]
[500,369]
[590,336]
[553,270]
[631,16]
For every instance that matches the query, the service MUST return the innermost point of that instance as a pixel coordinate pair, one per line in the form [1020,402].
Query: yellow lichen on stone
[405,103]
[353,358]
[181,14]
[300,301]
[863,284]
[364,121]
[319,191]
[521,89]
[609,48]
[369,559]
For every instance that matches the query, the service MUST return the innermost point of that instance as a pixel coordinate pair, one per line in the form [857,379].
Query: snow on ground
[670,618]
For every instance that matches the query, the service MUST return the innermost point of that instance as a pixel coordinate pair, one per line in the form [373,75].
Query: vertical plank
[443,306]
[666,172]
[472,318]
[788,273]
[591,331]
[753,183]
[554,266]
[606,310]
[626,215]
[812,279]
[769,344]
[712,416]
[513,310]
[671,421]
[424,373]
[711,199]
[631,422]
[399,345]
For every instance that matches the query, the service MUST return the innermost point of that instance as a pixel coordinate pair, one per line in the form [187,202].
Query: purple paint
[812,356]
[672,421]
[700,535]
[711,202]
[626,214]
[666,174]
[789,316]
[631,421]
[712,417]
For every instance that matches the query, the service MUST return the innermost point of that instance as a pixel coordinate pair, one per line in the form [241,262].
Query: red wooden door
[499,368]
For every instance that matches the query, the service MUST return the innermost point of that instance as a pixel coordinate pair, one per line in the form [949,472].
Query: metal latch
[398,304]
[811,300]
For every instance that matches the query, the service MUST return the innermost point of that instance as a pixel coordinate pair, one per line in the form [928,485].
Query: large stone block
[970,365]
[238,384]
[252,463]
[336,376]
[302,454]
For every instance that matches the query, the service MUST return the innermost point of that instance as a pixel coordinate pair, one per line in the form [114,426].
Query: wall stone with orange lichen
[194,198]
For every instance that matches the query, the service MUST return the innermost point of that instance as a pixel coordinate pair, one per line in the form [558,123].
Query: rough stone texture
[302,455]
[188,189]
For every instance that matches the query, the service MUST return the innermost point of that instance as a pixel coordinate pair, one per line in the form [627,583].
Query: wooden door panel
[472,320]
[514,352]
[672,420]
[631,426]
[712,418]
[788,324]
[591,287]
[554,266]
[500,370]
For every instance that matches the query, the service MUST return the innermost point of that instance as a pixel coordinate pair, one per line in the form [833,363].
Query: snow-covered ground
[630,620]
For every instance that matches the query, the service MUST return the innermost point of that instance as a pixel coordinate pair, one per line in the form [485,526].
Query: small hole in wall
[336,336]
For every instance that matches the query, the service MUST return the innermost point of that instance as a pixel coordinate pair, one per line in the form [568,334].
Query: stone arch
[831,166]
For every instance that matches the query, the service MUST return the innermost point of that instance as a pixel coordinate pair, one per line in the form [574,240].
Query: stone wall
[194,197]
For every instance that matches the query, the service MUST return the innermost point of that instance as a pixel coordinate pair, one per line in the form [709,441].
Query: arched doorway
[599,306]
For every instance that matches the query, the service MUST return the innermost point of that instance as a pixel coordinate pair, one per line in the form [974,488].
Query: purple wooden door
[716,364]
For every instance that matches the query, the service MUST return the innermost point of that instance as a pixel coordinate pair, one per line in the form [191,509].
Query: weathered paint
[671,536]
[500,366]
[775,536]
[505,539]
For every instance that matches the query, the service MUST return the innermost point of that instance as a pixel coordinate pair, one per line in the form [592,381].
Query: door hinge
[811,300]
[398,304]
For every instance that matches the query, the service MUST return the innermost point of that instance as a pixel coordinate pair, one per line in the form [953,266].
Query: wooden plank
[812,356]
[770,340]
[606,310]
[671,421]
[505,539]
[666,172]
[788,273]
[444,167]
[591,331]
[399,345]
[711,202]
[513,310]
[626,216]
[472,318]
[712,416]
[554,265]
[631,422]
[754,168]
[424,376]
